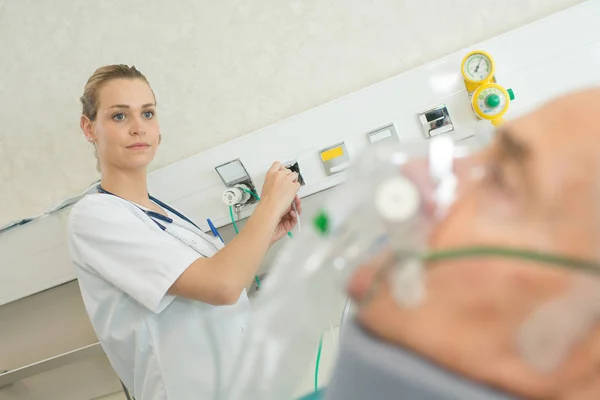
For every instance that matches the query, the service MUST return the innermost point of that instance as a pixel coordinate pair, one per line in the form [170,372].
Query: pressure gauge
[478,67]
[490,101]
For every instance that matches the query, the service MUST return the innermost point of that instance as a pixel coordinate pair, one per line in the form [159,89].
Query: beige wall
[220,69]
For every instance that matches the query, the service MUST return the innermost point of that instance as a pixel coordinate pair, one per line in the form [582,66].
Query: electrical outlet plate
[384,133]
[335,159]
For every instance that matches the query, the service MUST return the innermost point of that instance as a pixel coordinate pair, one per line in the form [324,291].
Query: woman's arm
[219,280]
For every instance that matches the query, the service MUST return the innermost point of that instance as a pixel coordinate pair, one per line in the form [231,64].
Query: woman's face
[126,130]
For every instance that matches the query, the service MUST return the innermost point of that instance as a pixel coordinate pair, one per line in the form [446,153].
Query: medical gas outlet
[489,100]
[238,182]
[237,195]
[294,167]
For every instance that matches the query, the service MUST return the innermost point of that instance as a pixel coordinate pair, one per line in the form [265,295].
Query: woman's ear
[86,127]
[159,138]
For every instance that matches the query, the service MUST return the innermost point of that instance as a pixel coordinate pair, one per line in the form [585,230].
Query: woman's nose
[136,127]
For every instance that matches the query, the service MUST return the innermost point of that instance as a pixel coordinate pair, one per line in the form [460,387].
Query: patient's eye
[496,174]
[506,175]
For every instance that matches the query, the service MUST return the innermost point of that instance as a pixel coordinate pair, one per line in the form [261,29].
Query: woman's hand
[278,193]
[288,221]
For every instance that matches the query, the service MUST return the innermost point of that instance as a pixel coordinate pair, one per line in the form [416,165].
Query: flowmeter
[489,100]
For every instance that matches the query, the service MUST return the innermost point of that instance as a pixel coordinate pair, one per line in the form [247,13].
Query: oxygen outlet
[236,195]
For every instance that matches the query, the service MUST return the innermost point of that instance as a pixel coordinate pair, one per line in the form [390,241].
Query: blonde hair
[102,75]
[89,99]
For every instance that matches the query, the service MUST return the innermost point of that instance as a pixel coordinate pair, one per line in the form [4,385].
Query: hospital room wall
[239,66]
[219,69]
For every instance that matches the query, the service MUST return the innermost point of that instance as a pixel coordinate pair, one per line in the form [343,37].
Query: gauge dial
[477,67]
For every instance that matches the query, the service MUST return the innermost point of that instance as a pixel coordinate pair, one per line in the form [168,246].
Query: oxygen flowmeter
[489,100]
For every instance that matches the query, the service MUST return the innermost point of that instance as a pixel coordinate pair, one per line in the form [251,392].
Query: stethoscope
[156,217]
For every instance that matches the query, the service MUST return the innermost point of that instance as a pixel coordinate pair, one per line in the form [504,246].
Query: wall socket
[293,165]
[233,173]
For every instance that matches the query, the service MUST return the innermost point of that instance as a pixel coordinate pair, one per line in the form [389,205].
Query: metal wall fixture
[387,133]
[436,121]
[234,173]
[335,159]
[293,166]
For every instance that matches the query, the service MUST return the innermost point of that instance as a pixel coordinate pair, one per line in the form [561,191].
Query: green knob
[492,101]
[511,94]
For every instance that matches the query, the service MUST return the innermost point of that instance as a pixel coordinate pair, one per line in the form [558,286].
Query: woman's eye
[148,114]
[119,117]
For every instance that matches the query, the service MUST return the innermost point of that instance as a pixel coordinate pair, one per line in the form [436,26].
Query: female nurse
[167,302]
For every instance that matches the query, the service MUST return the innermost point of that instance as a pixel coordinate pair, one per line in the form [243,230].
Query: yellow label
[332,153]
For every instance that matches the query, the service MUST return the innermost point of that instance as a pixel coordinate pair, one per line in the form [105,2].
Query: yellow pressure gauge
[477,68]
[490,101]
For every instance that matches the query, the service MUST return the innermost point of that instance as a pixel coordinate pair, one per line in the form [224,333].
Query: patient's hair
[102,75]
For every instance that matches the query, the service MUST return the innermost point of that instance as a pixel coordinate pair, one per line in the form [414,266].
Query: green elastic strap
[482,251]
[522,254]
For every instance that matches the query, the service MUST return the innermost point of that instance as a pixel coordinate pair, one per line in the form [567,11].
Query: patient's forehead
[563,136]
[571,118]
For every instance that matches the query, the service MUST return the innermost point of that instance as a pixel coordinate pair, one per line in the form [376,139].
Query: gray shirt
[369,369]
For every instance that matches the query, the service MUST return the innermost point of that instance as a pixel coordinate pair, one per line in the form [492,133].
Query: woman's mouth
[139,145]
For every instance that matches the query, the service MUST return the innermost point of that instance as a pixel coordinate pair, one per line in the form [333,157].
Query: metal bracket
[436,121]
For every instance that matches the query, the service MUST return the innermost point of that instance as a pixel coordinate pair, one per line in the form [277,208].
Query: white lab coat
[159,345]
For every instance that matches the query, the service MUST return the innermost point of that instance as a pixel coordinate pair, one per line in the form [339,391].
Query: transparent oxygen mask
[392,200]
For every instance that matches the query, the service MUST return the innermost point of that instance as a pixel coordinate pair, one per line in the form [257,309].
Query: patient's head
[541,191]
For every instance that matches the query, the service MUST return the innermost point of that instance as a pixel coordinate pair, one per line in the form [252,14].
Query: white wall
[220,69]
